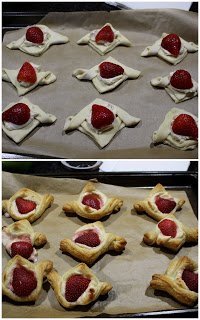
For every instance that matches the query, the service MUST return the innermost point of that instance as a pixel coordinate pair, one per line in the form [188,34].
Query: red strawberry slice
[172,43]
[17,114]
[181,79]
[168,228]
[101,116]
[105,35]
[25,206]
[185,125]
[23,281]
[110,70]
[92,200]
[35,35]
[165,205]
[27,74]
[22,248]
[89,238]
[191,280]
[75,286]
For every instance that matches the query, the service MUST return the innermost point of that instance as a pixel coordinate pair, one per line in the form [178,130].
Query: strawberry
[35,35]
[172,43]
[105,35]
[168,227]
[165,205]
[185,125]
[22,248]
[92,200]
[25,206]
[89,238]
[23,281]
[181,79]
[17,114]
[75,286]
[191,280]
[110,70]
[27,74]
[101,116]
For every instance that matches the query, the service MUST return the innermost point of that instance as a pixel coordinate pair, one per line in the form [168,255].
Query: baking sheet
[129,273]
[68,95]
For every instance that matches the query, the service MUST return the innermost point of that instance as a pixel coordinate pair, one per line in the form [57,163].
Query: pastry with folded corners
[180,280]
[90,241]
[172,234]
[93,204]
[27,204]
[20,238]
[159,204]
[78,286]
[22,280]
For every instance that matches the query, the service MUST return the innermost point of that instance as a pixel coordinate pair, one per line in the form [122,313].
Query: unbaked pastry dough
[82,122]
[104,48]
[42,203]
[22,231]
[178,95]
[101,84]
[40,269]
[109,205]
[157,50]
[184,234]
[148,205]
[172,283]
[93,291]
[165,134]
[43,77]
[50,37]
[87,254]
[38,116]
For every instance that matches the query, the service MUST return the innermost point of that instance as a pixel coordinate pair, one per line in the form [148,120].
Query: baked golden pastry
[78,286]
[180,280]
[27,204]
[93,204]
[22,280]
[19,238]
[159,204]
[172,234]
[90,241]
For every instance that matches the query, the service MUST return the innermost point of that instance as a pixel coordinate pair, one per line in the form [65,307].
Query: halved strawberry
[27,74]
[75,286]
[181,79]
[110,70]
[191,279]
[105,35]
[35,35]
[92,200]
[89,238]
[17,114]
[25,206]
[185,125]
[172,43]
[101,116]
[23,248]
[23,281]
[165,205]
[168,227]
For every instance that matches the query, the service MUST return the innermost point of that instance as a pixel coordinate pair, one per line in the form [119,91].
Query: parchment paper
[68,95]
[129,273]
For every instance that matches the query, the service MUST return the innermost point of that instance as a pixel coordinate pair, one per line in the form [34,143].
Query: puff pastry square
[119,40]
[157,50]
[37,117]
[34,49]
[165,134]
[82,122]
[78,286]
[93,204]
[20,276]
[43,78]
[102,84]
[19,238]
[180,280]
[39,202]
[90,241]
[159,204]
